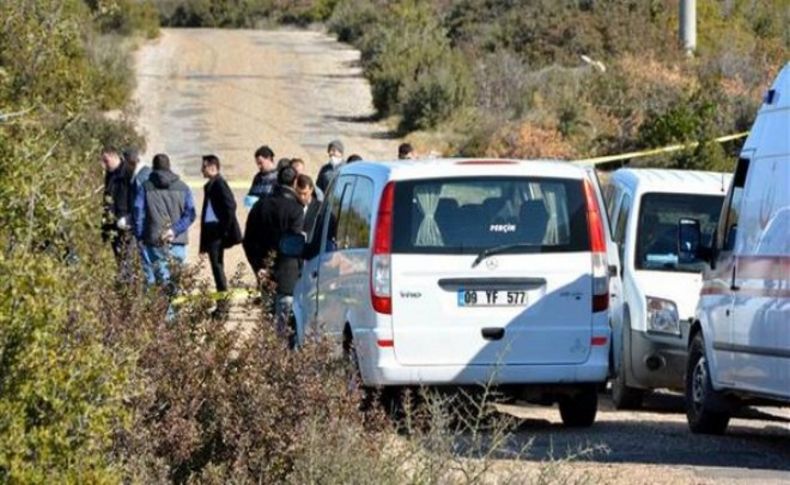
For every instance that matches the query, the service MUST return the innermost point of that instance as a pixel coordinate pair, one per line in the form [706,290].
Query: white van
[464,272]
[739,346]
[660,292]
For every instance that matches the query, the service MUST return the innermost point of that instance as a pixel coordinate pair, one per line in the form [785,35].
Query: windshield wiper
[498,250]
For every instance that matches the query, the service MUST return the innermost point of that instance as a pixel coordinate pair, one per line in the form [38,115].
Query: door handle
[493,333]
[314,274]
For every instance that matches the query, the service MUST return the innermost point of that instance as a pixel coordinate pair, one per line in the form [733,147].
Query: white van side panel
[761,307]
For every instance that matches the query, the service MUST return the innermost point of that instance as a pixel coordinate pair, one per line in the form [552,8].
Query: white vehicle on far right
[739,345]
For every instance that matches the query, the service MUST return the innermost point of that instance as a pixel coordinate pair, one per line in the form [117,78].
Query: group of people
[152,209]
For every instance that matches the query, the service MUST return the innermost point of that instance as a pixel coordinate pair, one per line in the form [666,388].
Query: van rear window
[468,215]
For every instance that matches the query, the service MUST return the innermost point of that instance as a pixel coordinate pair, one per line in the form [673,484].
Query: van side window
[610,195]
[338,202]
[729,228]
[354,225]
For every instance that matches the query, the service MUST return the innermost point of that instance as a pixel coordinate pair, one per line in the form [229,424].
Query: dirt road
[653,445]
[229,91]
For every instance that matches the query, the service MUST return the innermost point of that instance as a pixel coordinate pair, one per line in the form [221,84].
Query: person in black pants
[219,228]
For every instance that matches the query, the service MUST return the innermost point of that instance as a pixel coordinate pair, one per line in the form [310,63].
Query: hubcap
[698,382]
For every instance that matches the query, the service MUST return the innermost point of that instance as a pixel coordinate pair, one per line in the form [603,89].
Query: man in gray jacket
[163,212]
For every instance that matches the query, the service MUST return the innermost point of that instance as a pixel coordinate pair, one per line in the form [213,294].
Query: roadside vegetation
[500,78]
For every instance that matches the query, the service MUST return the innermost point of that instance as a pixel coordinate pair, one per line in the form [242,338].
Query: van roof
[461,167]
[669,180]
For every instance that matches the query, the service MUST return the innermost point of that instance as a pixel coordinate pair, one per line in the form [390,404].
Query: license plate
[491,298]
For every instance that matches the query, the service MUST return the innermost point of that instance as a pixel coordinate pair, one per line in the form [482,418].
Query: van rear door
[529,304]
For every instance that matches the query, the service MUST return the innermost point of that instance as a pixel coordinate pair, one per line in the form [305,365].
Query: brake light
[380,265]
[600,273]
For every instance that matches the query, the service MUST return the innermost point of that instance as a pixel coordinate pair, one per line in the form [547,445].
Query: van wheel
[703,403]
[579,410]
[625,397]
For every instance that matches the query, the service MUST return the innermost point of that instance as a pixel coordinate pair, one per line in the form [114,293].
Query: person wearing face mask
[328,171]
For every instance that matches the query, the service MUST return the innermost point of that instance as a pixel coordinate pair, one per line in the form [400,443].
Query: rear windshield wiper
[498,250]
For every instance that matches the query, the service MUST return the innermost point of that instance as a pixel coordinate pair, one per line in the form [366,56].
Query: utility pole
[688,25]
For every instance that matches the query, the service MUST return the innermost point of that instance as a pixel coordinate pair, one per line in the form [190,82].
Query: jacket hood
[163,179]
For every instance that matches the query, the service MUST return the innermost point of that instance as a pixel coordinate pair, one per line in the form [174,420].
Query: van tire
[705,408]
[579,410]
[623,396]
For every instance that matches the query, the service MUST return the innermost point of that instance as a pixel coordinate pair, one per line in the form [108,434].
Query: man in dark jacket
[219,228]
[305,190]
[116,220]
[270,219]
[328,171]
[163,212]
[266,179]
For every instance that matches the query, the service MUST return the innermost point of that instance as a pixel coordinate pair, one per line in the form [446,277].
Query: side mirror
[689,241]
[292,245]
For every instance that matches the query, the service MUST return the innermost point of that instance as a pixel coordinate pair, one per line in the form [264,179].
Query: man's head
[132,157]
[298,165]
[161,162]
[304,189]
[282,163]
[335,151]
[264,159]
[406,152]
[354,158]
[287,177]
[210,167]
[110,159]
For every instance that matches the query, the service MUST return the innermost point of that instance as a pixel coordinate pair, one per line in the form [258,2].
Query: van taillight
[600,273]
[380,265]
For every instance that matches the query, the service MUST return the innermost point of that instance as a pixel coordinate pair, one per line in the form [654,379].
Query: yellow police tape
[233,294]
[655,151]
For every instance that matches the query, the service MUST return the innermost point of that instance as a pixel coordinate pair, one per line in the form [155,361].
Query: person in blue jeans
[163,212]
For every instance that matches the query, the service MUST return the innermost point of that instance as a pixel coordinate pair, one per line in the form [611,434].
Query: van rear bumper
[380,368]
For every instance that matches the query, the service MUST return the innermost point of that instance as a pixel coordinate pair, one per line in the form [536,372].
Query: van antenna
[722,183]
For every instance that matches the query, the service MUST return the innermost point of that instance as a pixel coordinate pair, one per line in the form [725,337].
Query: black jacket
[311,214]
[223,203]
[116,199]
[270,219]
[325,176]
[263,184]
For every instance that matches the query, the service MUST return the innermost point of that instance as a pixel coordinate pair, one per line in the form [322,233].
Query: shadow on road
[657,435]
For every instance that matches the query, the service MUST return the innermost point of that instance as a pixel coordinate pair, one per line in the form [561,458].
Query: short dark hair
[110,150]
[131,155]
[304,182]
[353,158]
[212,160]
[264,152]
[286,176]
[404,149]
[161,162]
[295,161]
[283,162]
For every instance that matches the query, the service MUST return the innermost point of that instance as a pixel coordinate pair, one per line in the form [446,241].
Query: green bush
[436,94]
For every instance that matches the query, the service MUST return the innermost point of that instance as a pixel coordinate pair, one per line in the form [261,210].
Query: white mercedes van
[739,344]
[464,272]
[659,292]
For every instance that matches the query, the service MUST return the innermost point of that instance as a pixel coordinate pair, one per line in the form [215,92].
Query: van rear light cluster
[600,266]
[381,262]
